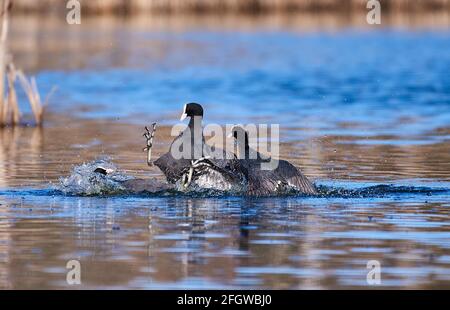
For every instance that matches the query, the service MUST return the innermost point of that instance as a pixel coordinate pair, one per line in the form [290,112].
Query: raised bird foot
[149,134]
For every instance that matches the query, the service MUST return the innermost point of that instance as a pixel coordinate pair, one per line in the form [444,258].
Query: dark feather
[294,176]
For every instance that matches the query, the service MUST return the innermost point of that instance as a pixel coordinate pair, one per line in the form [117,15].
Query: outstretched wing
[294,177]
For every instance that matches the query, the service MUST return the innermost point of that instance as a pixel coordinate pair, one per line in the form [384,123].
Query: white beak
[184,115]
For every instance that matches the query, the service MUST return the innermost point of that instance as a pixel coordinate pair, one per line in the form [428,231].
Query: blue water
[181,242]
[365,114]
[373,79]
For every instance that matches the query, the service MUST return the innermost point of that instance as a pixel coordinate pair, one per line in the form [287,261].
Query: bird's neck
[244,150]
[196,130]
[195,122]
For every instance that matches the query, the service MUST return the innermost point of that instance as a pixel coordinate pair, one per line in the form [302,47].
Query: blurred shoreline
[234,6]
[298,21]
[38,40]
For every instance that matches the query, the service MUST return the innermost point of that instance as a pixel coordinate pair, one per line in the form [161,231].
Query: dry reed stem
[31,90]
[3,40]
[12,95]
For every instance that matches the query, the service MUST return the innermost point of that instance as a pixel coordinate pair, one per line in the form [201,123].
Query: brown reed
[9,107]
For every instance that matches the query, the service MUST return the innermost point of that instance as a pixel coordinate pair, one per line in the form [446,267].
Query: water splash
[85,180]
[103,178]
[106,187]
[381,190]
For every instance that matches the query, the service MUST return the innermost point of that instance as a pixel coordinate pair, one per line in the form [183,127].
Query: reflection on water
[20,150]
[357,109]
[222,243]
[48,42]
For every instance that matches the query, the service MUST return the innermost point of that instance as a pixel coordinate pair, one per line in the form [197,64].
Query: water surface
[365,113]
